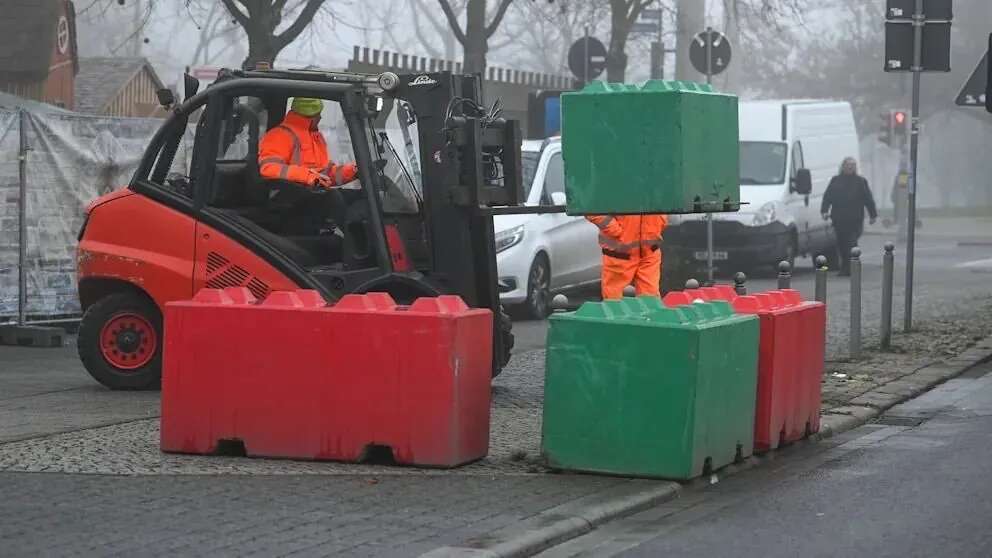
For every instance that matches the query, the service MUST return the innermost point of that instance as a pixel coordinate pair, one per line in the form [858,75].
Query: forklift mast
[470,163]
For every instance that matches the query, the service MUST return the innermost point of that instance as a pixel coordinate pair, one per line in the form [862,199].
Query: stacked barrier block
[291,377]
[660,147]
[636,388]
[790,366]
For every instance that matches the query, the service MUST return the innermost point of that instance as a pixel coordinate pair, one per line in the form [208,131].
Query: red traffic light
[899,117]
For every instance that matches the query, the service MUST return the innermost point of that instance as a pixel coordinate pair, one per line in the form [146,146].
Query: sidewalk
[979,228]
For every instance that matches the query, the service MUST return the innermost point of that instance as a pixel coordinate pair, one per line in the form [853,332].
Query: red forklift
[434,165]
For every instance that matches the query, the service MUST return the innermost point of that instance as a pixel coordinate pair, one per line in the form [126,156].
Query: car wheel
[538,303]
[505,325]
[120,342]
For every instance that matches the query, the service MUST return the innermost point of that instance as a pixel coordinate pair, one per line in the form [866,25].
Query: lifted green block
[638,389]
[660,147]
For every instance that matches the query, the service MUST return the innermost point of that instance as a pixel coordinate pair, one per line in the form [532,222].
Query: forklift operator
[295,152]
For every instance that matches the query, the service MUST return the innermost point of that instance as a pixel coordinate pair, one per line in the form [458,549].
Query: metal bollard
[821,279]
[784,275]
[560,303]
[855,333]
[888,274]
[691,284]
[740,281]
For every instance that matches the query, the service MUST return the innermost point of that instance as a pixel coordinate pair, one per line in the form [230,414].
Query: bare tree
[623,15]
[261,20]
[475,35]
[539,34]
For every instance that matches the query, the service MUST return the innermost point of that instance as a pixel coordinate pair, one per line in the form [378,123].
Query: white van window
[529,161]
[797,159]
[554,179]
[763,162]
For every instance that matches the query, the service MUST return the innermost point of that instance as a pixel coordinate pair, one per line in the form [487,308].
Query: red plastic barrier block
[290,377]
[790,364]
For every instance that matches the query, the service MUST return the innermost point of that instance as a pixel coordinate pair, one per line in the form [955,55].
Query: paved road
[953,268]
[887,489]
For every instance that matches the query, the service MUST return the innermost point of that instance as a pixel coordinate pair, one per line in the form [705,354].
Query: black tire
[135,324]
[505,327]
[538,303]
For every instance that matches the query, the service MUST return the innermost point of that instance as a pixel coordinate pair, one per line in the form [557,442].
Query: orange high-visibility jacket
[626,236]
[293,151]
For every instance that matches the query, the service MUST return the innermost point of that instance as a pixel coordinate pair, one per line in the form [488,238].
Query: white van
[779,142]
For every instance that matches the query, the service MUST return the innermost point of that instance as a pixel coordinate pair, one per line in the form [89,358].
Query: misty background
[828,49]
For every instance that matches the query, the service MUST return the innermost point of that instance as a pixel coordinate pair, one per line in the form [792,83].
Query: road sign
[933,10]
[587,59]
[716,45]
[973,93]
[936,53]
[639,27]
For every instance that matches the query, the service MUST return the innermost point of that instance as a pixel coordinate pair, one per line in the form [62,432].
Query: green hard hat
[305,106]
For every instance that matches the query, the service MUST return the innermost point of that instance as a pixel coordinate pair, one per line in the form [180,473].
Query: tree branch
[452,21]
[237,14]
[304,19]
[500,12]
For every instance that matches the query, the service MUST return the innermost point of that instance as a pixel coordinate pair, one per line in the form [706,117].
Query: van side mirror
[191,85]
[166,97]
[803,182]
[558,198]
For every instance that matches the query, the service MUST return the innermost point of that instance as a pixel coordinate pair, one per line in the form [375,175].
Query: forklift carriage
[417,223]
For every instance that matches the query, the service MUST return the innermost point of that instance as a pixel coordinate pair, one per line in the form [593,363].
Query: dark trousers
[847,237]
[304,212]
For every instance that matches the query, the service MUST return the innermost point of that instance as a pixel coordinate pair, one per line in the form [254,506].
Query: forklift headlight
[509,238]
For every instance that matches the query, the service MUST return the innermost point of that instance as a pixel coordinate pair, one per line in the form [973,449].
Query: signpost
[709,54]
[929,22]
[973,94]
[587,58]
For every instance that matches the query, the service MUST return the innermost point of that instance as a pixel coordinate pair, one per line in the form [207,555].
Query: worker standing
[631,246]
[295,151]
[845,201]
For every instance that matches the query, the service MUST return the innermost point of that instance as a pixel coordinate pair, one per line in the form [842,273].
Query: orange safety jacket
[295,152]
[627,236]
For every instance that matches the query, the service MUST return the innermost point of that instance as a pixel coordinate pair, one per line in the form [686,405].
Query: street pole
[22,220]
[585,73]
[914,145]
[709,216]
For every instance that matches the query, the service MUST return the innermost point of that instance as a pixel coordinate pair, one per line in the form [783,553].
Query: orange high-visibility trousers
[643,271]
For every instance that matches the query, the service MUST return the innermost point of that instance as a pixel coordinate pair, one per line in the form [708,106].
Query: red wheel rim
[128,341]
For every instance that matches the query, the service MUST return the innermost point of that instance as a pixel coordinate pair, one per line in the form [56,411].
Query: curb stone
[880,399]
[565,522]
[555,527]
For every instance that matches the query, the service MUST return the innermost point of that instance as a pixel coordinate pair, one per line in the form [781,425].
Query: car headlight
[509,238]
[765,215]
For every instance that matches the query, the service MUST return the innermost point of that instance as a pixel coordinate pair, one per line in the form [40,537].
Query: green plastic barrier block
[660,147]
[635,388]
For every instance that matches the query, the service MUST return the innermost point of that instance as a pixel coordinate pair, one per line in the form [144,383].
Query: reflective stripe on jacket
[624,236]
[292,151]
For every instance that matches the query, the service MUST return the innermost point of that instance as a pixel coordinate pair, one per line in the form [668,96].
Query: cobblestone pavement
[95,515]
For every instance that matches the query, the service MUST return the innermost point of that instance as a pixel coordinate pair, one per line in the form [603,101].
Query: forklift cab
[433,167]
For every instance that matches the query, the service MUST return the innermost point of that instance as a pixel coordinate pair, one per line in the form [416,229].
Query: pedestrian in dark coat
[845,201]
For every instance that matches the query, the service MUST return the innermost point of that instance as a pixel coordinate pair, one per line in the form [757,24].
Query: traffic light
[900,127]
[885,129]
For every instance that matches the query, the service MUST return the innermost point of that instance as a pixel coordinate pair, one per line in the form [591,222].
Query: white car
[541,254]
